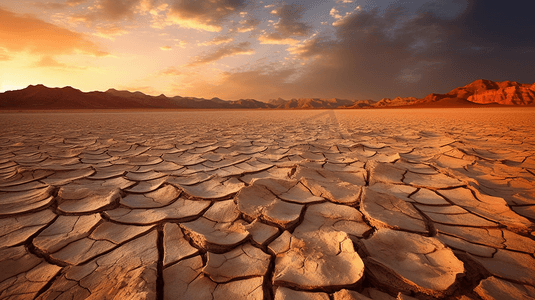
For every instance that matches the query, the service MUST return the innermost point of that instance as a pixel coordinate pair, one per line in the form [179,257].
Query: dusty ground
[268,204]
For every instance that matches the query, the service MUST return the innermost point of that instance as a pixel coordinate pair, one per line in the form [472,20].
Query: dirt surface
[344,204]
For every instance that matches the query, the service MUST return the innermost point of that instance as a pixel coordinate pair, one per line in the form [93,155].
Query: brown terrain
[489,92]
[480,93]
[271,204]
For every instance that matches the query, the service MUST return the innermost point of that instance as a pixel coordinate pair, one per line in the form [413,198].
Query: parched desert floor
[345,204]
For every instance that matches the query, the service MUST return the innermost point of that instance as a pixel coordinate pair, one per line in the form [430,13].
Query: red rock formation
[489,92]
[511,95]
[314,103]
[398,101]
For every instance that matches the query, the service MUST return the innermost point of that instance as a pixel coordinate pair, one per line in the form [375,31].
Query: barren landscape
[305,204]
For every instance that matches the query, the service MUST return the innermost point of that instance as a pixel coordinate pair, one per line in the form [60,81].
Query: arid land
[268,204]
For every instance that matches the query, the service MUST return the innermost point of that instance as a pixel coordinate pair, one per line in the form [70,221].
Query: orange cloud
[225,51]
[110,31]
[26,33]
[57,5]
[107,16]
[171,71]
[223,39]
[115,10]
[248,25]
[315,46]
[205,15]
[166,48]
[174,18]
[261,84]
[3,55]
[50,62]
[276,39]
[75,2]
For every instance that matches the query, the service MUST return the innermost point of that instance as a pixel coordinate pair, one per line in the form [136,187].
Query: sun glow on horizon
[11,86]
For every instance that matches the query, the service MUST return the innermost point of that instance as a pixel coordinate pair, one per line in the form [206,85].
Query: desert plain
[305,204]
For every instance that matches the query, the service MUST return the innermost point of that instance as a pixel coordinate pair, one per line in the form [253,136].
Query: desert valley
[270,150]
[268,204]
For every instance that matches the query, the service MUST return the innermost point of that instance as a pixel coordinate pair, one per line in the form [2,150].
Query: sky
[238,49]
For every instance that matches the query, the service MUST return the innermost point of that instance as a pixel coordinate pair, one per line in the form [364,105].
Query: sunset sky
[231,49]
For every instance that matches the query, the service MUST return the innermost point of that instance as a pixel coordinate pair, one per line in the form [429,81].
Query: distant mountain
[361,104]
[40,97]
[277,102]
[489,92]
[480,93]
[303,103]
[398,101]
[449,102]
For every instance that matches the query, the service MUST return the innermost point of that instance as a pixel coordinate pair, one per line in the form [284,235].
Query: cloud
[4,57]
[75,2]
[276,39]
[4,54]
[26,33]
[398,52]
[166,48]
[314,46]
[51,62]
[335,13]
[205,15]
[248,25]
[110,31]
[340,19]
[180,43]
[114,10]
[171,71]
[413,74]
[59,5]
[111,12]
[289,23]
[159,19]
[288,26]
[48,61]
[373,55]
[514,29]
[50,5]
[112,18]
[219,53]
[218,40]
[261,83]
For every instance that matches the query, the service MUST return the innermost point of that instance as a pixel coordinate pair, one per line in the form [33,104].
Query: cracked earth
[397,204]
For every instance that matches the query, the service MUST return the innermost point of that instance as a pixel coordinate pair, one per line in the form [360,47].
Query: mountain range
[480,93]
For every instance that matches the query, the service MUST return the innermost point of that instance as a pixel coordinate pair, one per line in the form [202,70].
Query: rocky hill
[476,94]
[489,92]
[398,101]
[312,103]
[40,97]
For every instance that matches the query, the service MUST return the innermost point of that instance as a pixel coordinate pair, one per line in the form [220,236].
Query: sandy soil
[344,204]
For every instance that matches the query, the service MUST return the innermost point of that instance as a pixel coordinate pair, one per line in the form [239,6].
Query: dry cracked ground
[397,204]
